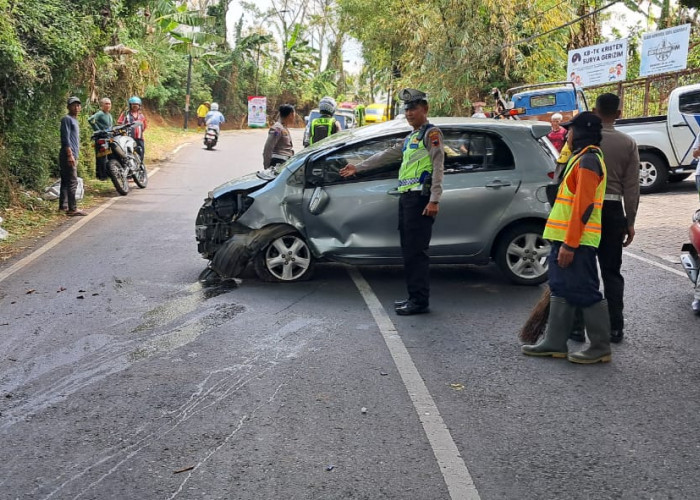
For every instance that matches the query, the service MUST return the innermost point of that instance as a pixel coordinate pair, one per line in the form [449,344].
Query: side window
[544,100]
[689,103]
[324,170]
[581,101]
[475,151]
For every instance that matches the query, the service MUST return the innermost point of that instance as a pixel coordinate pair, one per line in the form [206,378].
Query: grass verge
[31,218]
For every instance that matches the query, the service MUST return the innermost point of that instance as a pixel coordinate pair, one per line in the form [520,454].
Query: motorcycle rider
[279,147]
[102,120]
[214,118]
[136,117]
[325,125]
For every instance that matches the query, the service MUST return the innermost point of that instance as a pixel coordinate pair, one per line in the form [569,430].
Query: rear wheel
[141,175]
[285,259]
[653,173]
[119,177]
[522,254]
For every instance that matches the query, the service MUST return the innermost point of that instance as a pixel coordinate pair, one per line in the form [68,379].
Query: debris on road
[330,467]
[457,386]
[183,470]
[31,290]
[363,410]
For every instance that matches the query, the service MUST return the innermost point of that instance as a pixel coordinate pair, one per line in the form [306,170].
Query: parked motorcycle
[690,258]
[211,137]
[123,160]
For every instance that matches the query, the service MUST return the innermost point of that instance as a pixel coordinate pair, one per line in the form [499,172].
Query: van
[376,113]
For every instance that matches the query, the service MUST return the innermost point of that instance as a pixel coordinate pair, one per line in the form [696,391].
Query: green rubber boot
[598,329]
[561,316]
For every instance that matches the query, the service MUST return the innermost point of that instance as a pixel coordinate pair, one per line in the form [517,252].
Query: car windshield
[372,111]
[292,164]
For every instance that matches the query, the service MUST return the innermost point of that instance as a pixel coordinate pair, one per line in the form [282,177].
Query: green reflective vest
[321,128]
[560,216]
[416,164]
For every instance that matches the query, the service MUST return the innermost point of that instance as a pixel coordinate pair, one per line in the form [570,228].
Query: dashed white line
[454,471]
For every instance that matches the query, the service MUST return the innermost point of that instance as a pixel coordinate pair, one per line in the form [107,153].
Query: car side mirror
[319,200]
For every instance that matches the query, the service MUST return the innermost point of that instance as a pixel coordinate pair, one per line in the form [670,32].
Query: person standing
[102,120]
[325,125]
[202,111]
[558,134]
[479,110]
[68,158]
[696,154]
[279,147]
[138,119]
[420,185]
[574,228]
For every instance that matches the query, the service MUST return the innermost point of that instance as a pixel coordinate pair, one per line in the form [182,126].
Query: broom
[537,321]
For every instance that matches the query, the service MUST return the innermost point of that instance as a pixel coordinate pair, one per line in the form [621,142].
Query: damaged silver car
[493,206]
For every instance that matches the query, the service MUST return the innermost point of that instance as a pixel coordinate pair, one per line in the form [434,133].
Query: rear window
[541,101]
[372,111]
[689,103]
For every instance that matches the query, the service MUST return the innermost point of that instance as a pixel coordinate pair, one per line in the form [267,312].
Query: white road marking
[180,147]
[660,266]
[22,263]
[454,471]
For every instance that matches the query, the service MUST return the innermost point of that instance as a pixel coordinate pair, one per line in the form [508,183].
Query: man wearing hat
[420,185]
[68,158]
[574,228]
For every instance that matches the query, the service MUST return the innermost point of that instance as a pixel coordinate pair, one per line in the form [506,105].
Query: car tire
[285,259]
[653,173]
[522,254]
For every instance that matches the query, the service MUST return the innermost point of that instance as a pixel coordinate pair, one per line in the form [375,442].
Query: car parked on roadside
[345,117]
[493,205]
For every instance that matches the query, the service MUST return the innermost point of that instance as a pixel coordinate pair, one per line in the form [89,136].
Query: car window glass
[689,103]
[467,151]
[324,170]
[540,101]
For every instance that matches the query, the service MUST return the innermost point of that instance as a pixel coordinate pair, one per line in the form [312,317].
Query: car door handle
[393,192]
[681,124]
[497,184]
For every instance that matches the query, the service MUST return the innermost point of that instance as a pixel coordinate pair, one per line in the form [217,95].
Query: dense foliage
[292,51]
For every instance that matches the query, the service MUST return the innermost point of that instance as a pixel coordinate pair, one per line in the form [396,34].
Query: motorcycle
[123,159]
[690,258]
[211,137]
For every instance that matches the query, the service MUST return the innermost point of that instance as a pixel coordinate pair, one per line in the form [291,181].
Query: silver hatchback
[493,205]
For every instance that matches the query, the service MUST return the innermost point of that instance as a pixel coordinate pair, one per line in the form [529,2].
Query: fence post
[646,97]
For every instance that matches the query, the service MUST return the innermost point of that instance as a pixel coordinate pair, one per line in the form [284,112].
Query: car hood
[247,183]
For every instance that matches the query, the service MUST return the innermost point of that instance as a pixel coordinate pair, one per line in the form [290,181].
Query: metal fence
[645,96]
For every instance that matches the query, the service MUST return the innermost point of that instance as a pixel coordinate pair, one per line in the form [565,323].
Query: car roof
[537,128]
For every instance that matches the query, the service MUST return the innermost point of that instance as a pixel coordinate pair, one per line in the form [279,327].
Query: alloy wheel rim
[647,173]
[527,256]
[288,258]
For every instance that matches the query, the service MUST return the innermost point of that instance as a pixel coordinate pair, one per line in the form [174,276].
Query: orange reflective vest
[560,216]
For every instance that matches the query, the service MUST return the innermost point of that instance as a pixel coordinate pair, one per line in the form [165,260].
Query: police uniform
[322,127]
[278,147]
[420,182]
[574,224]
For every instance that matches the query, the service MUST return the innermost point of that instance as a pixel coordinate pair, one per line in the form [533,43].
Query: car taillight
[516,111]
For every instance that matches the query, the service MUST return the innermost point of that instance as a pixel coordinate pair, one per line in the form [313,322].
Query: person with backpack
[325,125]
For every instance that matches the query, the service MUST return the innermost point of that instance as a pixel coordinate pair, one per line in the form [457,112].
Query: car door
[353,218]
[481,181]
[684,124]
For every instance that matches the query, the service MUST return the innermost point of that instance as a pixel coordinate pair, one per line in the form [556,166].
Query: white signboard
[598,64]
[665,50]
[257,112]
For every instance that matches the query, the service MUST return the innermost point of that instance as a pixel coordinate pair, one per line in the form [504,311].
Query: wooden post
[646,97]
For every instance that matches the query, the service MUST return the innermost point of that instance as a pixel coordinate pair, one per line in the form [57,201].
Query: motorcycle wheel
[119,177]
[141,176]
[210,145]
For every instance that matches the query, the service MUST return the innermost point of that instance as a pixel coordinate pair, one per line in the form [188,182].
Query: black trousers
[415,230]
[140,148]
[69,183]
[610,259]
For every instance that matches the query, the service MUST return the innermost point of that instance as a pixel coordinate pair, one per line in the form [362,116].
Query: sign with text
[257,112]
[598,64]
[665,50]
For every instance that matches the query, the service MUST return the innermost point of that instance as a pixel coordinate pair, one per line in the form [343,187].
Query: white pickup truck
[665,142]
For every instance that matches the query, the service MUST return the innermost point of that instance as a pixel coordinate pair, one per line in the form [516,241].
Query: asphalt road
[122,378]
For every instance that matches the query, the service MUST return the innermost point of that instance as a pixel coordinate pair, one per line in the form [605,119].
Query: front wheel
[522,254]
[285,259]
[140,175]
[119,176]
[653,173]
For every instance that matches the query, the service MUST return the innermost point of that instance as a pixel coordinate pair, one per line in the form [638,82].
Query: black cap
[72,100]
[584,121]
[413,97]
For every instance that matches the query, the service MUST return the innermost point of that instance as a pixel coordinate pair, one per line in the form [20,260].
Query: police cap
[413,97]
[584,121]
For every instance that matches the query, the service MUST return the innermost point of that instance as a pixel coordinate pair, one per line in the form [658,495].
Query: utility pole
[187,91]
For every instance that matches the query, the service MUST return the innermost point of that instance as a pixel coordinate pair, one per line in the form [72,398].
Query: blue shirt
[70,135]
[214,118]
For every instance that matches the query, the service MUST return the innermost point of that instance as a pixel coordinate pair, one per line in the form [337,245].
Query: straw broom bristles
[536,323]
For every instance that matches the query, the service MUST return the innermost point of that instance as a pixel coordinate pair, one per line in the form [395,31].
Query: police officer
[574,227]
[420,185]
[325,125]
[279,147]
